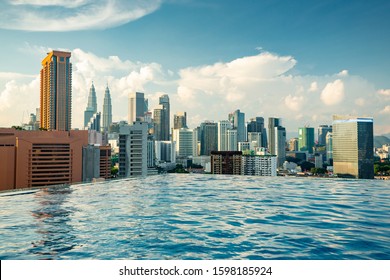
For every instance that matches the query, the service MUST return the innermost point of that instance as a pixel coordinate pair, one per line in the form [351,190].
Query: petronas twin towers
[91,111]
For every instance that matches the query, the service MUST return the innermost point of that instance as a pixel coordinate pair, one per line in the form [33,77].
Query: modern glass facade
[353,147]
[306,139]
[208,138]
[136,107]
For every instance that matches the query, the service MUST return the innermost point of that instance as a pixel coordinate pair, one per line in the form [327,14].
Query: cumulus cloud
[294,103]
[63,15]
[230,80]
[313,87]
[343,73]
[385,111]
[260,85]
[384,92]
[17,99]
[19,93]
[333,93]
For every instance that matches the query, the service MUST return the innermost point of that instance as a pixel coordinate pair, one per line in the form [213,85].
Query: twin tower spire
[91,113]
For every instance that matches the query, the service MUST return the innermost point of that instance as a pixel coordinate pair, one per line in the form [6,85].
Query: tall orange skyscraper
[56,91]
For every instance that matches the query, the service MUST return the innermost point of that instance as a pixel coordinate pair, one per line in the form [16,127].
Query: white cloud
[385,110]
[313,87]
[333,93]
[11,75]
[257,85]
[17,100]
[384,92]
[360,102]
[343,73]
[294,103]
[62,15]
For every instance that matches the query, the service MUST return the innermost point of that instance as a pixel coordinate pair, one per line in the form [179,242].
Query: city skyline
[336,64]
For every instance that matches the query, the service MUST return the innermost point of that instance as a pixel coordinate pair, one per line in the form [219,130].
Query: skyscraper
[322,131]
[306,139]
[107,110]
[94,122]
[133,150]
[280,144]
[161,119]
[165,124]
[353,147]
[293,144]
[56,91]
[136,107]
[208,138]
[257,125]
[180,120]
[91,106]
[184,142]
[329,148]
[237,119]
[232,144]
[223,127]
[277,139]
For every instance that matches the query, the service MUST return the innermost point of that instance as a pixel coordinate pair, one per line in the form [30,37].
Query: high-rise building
[232,143]
[107,110]
[277,140]
[96,162]
[165,122]
[195,142]
[223,127]
[184,142]
[161,119]
[280,144]
[255,165]
[94,122]
[306,139]
[151,153]
[133,149]
[257,125]
[237,119]
[293,144]
[255,139]
[165,151]
[91,106]
[329,148]
[136,107]
[180,120]
[56,91]
[226,162]
[208,138]
[322,131]
[272,123]
[353,147]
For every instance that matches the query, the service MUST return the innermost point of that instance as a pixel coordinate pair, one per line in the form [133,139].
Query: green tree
[114,171]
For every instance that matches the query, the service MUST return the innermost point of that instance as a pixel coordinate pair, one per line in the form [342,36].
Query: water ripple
[199,217]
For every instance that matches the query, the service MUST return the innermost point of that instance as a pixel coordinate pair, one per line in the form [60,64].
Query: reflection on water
[200,217]
[52,218]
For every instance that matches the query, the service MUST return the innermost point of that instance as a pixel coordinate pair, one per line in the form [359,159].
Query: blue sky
[302,61]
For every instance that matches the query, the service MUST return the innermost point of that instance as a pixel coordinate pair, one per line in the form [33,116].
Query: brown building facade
[226,162]
[40,158]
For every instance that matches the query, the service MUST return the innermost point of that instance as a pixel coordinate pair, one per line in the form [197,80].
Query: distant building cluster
[46,151]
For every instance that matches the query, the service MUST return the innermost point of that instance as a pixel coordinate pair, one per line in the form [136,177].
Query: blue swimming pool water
[199,217]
